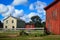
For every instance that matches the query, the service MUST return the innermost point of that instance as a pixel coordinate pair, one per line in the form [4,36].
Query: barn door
[49,27]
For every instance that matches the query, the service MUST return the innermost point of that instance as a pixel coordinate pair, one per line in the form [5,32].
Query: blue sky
[23,9]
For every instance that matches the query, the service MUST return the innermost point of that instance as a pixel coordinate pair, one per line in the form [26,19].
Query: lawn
[49,37]
[33,35]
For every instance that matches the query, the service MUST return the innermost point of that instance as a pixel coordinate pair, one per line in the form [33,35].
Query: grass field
[34,35]
[49,37]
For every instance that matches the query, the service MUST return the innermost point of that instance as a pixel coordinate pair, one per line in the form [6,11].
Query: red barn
[53,17]
[28,25]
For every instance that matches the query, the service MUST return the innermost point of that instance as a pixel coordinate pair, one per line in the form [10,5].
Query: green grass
[50,37]
[33,35]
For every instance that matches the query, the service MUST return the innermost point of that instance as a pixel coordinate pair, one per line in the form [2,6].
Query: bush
[22,33]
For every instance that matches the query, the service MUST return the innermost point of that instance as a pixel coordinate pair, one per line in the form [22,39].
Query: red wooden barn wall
[53,23]
[29,26]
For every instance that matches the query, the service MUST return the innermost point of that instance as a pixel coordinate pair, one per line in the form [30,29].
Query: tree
[43,24]
[36,20]
[1,24]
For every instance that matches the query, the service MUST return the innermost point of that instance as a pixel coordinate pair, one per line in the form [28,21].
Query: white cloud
[31,7]
[3,8]
[18,2]
[18,13]
[39,7]
[35,6]
[7,10]
[44,13]
[28,19]
[24,18]
[10,11]
[32,14]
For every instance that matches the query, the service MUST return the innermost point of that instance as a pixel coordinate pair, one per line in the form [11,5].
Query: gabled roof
[51,4]
[12,17]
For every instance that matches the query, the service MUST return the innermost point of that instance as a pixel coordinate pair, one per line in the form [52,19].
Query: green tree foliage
[43,24]
[37,21]
[1,24]
[20,23]
[36,18]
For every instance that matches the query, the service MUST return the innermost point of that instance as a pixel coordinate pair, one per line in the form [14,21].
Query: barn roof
[51,4]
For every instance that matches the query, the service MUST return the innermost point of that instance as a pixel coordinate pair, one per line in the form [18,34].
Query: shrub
[22,33]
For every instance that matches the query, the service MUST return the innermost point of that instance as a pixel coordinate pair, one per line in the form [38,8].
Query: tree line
[37,21]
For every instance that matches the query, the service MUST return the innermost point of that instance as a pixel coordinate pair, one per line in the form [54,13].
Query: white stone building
[13,23]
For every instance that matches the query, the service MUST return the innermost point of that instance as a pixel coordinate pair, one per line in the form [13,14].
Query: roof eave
[51,4]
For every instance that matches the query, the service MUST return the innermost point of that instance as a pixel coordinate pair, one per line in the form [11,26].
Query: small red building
[53,17]
[28,25]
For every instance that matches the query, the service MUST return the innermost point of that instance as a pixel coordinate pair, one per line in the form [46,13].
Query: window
[49,27]
[54,14]
[48,19]
[5,26]
[12,21]
[13,27]
[6,21]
